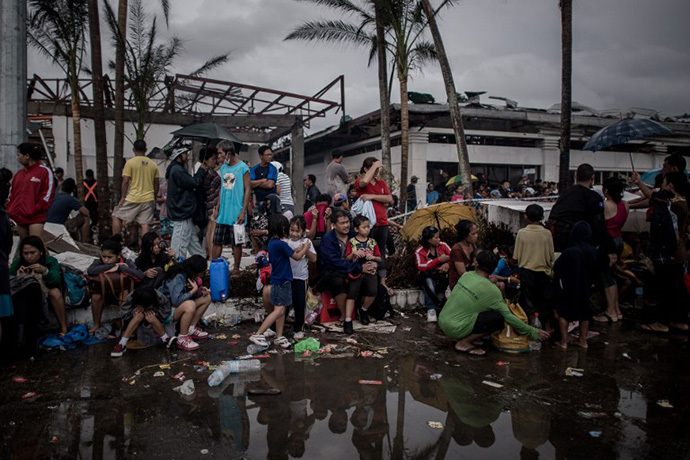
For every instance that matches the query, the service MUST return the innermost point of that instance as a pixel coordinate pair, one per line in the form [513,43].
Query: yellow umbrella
[457,180]
[444,215]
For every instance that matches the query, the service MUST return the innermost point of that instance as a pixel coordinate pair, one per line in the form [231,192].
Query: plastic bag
[365,208]
[239,234]
[310,344]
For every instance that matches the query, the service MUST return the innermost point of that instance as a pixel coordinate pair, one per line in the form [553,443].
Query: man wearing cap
[182,203]
[139,190]
[336,175]
[412,194]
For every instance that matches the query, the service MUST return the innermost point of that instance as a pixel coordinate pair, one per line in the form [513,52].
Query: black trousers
[488,322]
[380,234]
[672,294]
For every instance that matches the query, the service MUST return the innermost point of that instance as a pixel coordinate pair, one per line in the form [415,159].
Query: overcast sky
[626,53]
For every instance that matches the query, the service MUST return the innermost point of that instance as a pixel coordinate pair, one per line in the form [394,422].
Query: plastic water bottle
[104,331]
[232,367]
[639,297]
[535,344]
[311,317]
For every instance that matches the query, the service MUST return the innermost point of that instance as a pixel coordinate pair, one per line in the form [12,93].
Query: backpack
[74,285]
[662,230]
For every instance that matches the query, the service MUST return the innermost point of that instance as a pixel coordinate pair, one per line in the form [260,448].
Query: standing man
[140,177]
[336,175]
[263,177]
[90,185]
[182,203]
[312,191]
[235,191]
[59,178]
[32,193]
[412,194]
[63,204]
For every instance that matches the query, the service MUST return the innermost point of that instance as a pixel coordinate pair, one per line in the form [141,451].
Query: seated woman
[463,252]
[190,300]
[154,259]
[432,258]
[476,308]
[34,261]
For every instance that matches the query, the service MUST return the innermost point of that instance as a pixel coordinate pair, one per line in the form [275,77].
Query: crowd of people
[338,247]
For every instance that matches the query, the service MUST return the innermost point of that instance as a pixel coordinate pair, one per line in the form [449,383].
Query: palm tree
[119,140]
[566,91]
[147,62]
[454,109]
[57,29]
[404,24]
[384,95]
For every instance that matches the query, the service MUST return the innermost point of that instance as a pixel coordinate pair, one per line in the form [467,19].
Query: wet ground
[632,401]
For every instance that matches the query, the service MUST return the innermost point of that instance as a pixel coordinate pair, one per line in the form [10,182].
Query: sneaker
[171,340]
[282,342]
[363,317]
[197,333]
[347,328]
[118,351]
[259,339]
[298,335]
[270,333]
[185,342]
[431,316]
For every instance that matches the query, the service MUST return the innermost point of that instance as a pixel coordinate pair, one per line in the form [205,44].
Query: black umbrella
[205,132]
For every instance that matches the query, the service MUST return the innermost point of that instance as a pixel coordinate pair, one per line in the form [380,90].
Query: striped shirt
[285,189]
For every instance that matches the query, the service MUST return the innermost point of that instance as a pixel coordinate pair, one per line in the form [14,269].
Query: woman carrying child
[361,249]
[33,261]
[300,268]
[154,259]
[143,304]
[432,258]
[279,254]
[190,300]
[111,261]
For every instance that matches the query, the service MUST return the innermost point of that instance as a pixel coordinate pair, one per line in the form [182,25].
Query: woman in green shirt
[33,260]
[476,308]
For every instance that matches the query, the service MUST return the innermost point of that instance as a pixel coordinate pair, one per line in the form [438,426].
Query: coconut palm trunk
[384,95]
[119,140]
[99,122]
[404,134]
[566,92]
[454,109]
[76,132]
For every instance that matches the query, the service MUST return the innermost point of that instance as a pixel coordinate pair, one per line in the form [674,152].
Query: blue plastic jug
[220,280]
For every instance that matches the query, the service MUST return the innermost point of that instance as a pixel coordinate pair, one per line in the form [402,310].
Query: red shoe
[185,342]
[197,333]
[118,351]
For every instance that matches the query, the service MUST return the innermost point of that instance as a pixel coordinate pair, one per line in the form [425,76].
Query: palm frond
[211,64]
[334,31]
[345,6]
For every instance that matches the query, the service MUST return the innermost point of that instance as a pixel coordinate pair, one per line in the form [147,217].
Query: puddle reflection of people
[370,422]
[531,426]
[476,308]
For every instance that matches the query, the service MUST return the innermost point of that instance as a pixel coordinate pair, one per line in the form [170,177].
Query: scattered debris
[492,384]
[179,376]
[19,380]
[593,406]
[54,440]
[366,354]
[221,337]
[164,366]
[203,363]
[186,388]
[502,363]
[236,336]
[435,376]
[370,382]
[433,424]
[29,395]
[595,434]
[406,328]
[132,382]
[574,372]
[665,404]
[351,341]
[204,451]
[264,391]
[627,356]
[591,415]
[234,342]
[159,374]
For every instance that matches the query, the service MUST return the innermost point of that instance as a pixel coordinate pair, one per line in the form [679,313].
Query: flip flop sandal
[646,328]
[609,319]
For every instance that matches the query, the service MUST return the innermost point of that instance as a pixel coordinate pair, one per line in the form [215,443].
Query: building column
[550,157]
[297,147]
[13,90]
[419,142]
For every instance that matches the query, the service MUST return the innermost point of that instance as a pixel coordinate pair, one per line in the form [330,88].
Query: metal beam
[297,146]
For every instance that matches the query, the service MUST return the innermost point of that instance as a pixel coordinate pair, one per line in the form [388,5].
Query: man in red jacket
[33,189]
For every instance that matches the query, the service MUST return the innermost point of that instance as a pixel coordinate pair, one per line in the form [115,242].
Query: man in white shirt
[336,175]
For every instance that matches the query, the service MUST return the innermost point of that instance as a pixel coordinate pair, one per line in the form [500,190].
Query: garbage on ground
[351,341]
[435,376]
[179,376]
[309,344]
[132,382]
[29,395]
[204,451]
[590,415]
[164,366]
[665,404]
[406,328]
[232,367]
[54,440]
[264,391]
[234,342]
[627,356]
[574,372]
[592,406]
[595,434]
[492,384]
[370,382]
[221,337]
[159,374]
[186,388]
[502,363]
[253,349]
[236,336]
[19,379]
[433,424]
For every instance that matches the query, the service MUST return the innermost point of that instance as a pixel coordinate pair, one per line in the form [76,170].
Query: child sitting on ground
[189,299]
[361,249]
[144,303]
[300,269]
[279,254]
[111,261]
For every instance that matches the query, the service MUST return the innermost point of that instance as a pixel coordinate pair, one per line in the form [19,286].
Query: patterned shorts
[224,235]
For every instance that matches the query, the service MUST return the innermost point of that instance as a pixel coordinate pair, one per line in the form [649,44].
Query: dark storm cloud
[626,53]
